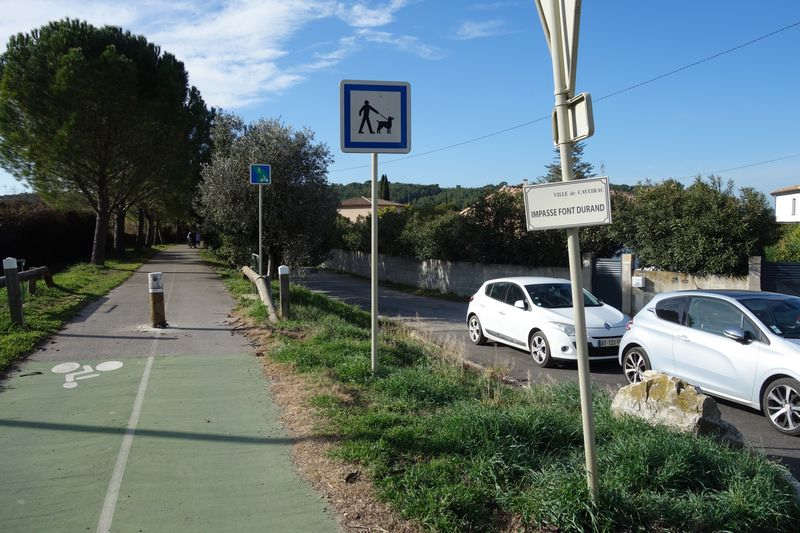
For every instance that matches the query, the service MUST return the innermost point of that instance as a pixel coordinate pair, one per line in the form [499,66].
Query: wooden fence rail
[12,281]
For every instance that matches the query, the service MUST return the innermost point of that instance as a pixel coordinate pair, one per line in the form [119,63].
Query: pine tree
[384,190]
[580,169]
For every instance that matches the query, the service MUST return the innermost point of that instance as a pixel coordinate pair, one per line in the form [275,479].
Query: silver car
[743,346]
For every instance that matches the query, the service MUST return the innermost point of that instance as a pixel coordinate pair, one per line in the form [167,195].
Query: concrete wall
[656,282]
[461,278]
[464,278]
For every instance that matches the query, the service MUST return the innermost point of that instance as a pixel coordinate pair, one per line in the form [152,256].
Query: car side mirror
[520,304]
[736,334]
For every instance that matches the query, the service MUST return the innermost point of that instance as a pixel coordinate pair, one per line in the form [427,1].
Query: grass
[457,451]
[47,311]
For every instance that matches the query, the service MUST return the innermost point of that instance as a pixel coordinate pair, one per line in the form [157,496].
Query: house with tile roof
[360,206]
[787,204]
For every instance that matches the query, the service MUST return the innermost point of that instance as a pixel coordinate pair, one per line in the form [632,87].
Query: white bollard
[283,276]
[13,289]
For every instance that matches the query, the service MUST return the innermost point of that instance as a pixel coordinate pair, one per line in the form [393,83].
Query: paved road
[445,321]
[162,430]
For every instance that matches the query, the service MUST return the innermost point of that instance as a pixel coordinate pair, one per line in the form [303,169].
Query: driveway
[445,322]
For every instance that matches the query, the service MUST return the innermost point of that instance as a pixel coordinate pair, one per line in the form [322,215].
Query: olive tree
[299,205]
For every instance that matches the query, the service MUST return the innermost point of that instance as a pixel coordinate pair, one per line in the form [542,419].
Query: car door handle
[683,338]
[501,313]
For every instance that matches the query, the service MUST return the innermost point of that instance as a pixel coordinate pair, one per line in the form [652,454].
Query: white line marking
[112,493]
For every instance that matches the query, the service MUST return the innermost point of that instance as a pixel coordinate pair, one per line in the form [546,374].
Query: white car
[740,345]
[535,314]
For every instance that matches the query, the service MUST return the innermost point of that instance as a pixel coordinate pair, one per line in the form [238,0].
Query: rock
[667,400]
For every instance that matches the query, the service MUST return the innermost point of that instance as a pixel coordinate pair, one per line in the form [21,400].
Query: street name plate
[567,204]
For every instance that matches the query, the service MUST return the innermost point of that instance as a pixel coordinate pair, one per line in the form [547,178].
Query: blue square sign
[260,174]
[375,116]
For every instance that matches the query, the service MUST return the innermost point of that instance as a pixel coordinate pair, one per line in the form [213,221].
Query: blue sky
[477,67]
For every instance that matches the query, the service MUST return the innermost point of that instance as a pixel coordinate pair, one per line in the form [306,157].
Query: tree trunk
[140,229]
[119,233]
[99,243]
[151,231]
[100,226]
[272,263]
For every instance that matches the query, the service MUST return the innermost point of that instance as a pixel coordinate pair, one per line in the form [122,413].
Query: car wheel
[475,330]
[781,404]
[634,363]
[540,350]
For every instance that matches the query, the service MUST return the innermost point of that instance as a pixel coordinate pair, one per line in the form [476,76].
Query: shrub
[788,247]
[45,236]
[701,229]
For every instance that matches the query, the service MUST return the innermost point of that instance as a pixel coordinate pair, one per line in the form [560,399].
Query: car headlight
[568,329]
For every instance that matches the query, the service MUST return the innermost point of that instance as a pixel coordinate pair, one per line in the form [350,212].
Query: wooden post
[283,275]
[155,287]
[13,288]
[32,286]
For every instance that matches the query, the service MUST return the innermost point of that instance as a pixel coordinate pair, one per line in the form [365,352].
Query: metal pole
[260,229]
[574,250]
[374,266]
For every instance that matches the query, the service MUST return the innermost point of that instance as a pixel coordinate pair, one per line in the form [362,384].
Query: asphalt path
[116,426]
[444,321]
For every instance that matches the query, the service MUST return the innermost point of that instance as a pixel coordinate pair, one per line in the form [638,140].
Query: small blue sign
[260,174]
[375,116]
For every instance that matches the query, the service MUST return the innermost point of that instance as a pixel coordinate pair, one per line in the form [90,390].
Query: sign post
[561,22]
[260,174]
[375,117]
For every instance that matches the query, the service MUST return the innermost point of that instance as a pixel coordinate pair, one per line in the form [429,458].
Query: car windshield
[780,316]
[555,295]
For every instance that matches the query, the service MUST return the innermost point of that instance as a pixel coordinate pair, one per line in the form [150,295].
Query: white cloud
[492,6]
[362,15]
[476,29]
[236,51]
[407,43]
[346,46]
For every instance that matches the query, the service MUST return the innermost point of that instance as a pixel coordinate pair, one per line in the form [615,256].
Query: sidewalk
[115,426]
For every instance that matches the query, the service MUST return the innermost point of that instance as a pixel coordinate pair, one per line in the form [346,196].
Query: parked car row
[743,346]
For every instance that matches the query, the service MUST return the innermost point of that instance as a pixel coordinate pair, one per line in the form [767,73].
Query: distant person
[197,239]
[365,109]
[190,239]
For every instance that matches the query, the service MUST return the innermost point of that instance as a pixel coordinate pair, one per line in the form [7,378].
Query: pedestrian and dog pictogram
[375,116]
[385,123]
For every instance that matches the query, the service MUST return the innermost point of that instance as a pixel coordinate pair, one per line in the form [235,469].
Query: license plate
[605,343]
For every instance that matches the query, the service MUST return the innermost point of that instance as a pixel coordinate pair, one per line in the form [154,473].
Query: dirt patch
[347,487]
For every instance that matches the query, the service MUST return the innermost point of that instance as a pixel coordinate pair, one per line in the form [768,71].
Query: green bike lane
[149,439]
